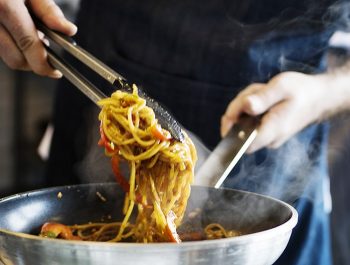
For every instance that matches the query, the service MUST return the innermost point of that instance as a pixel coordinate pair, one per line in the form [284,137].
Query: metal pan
[266,222]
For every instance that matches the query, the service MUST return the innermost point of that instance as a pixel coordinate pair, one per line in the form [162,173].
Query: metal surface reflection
[268,230]
[22,216]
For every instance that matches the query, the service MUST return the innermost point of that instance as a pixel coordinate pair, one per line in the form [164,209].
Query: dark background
[25,111]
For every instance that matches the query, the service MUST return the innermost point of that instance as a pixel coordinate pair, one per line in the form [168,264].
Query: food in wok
[266,224]
[161,173]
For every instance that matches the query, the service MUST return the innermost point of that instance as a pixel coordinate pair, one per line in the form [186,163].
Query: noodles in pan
[161,171]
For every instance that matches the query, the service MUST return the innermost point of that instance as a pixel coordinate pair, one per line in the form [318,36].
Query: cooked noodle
[108,231]
[215,231]
[161,173]
[161,168]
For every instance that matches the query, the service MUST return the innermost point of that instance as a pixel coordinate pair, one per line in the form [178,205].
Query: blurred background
[26,104]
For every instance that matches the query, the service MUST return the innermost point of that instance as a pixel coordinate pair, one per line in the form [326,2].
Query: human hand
[288,102]
[21,47]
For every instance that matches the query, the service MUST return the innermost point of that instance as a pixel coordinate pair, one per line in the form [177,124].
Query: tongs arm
[79,53]
[77,79]
[92,92]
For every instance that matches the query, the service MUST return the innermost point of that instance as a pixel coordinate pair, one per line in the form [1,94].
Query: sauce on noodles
[159,182]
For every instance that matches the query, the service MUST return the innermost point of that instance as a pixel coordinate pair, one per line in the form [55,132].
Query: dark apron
[194,57]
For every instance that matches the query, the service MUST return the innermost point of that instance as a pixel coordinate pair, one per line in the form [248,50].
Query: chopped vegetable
[122,181]
[57,230]
[159,133]
[118,176]
[106,143]
[171,228]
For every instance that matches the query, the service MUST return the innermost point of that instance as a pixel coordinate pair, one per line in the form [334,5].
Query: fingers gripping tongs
[92,92]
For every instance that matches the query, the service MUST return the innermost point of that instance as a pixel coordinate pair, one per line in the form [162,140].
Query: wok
[266,222]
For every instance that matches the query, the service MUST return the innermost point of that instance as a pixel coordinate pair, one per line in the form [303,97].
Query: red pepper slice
[171,228]
[118,176]
[105,142]
[122,181]
[158,133]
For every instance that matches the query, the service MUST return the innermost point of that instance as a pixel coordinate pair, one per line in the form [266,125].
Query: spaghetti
[160,177]
[161,168]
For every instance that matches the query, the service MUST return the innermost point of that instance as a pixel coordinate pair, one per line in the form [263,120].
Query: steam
[307,36]
[287,173]
[95,167]
[303,176]
[339,14]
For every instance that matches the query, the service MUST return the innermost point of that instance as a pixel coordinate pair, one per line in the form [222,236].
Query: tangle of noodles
[161,168]
[105,232]
[159,185]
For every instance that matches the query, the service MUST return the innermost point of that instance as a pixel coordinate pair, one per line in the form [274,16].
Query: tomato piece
[57,230]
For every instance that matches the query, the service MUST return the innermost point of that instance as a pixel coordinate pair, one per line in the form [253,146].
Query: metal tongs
[165,119]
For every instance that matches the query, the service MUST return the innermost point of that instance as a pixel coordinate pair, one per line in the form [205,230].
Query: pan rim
[285,227]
